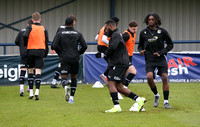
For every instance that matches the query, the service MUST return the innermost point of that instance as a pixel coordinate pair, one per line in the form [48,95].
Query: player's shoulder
[62,27]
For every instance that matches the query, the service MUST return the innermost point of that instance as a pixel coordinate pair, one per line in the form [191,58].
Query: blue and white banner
[181,68]
[10,69]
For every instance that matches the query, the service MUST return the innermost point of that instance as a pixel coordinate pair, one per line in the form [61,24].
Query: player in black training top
[66,45]
[151,45]
[118,63]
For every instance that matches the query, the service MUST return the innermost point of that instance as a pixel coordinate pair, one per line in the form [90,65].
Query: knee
[150,75]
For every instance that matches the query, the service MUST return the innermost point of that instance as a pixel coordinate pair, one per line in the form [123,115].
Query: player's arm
[113,46]
[83,44]
[141,44]
[55,44]
[169,42]
[105,38]
[46,43]
[125,36]
[26,35]
[18,38]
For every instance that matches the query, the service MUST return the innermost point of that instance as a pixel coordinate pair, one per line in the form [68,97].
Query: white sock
[71,97]
[157,94]
[166,101]
[37,92]
[21,87]
[117,106]
[31,92]
[137,99]
[53,81]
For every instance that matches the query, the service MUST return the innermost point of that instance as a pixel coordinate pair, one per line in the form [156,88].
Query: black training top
[20,42]
[66,45]
[153,41]
[117,52]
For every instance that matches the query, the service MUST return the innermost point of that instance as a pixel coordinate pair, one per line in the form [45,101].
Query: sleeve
[96,38]
[125,36]
[46,43]
[141,42]
[83,44]
[26,35]
[105,39]
[18,38]
[55,44]
[113,46]
[169,42]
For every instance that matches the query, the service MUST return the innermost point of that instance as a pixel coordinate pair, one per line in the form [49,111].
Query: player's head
[72,16]
[69,21]
[116,19]
[36,17]
[133,26]
[153,19]
[110,24]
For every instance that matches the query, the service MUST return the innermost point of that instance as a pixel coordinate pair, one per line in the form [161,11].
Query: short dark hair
[116,19]
[133,23]
[72,16]
[69,21]
[110,21]
[156,16]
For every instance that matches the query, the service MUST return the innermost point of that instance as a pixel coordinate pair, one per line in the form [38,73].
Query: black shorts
[24,60]
[117,73]
[35,62]
[161,66]
[71,68]
[130,61]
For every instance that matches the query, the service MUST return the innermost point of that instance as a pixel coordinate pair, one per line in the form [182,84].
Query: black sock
[57,73]
[30,81]
[106,72]
[133,96]
[22,77]
[114,97]
[73,86]
[166,95]
[154,90]
[128,79]
[38,81]
[64,82]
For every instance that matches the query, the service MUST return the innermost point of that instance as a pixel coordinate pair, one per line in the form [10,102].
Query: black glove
[99,55]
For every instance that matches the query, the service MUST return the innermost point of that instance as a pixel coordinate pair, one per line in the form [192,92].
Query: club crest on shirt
[159,31]
[145,32]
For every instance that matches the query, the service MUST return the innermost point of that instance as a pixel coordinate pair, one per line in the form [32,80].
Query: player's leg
[164,77]
[113,90]
[56,76]
[21,80]
[150,78]
[30,82]
[131,74]
[64,76]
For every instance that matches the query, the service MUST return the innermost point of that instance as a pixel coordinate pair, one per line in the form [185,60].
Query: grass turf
[90,103]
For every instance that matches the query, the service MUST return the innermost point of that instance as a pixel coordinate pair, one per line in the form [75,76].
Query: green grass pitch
[90,103]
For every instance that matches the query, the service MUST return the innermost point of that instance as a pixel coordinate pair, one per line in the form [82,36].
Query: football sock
[30,81]
[37,91]
[166,95]
[38,81]
[133,96]
[22,77]
[128,79]
[57,73]
[154,90]
[114,97]
[73,86]
[64,82]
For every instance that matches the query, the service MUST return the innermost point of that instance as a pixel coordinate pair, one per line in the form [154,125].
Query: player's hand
[53,52]
[99,55]
[156,54]
[142,52]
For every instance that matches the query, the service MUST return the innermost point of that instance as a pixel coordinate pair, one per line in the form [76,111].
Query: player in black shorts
[118,62]
[36,40]
[19,41]
[66,45]
[151,45]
